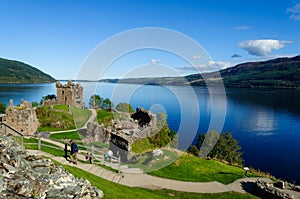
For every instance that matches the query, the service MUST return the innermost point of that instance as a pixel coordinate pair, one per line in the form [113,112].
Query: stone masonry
[70,94]
[22,118]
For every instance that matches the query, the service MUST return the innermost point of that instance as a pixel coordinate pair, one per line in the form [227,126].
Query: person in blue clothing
[74,152]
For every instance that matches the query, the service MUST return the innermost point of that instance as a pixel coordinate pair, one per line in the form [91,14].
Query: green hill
[276,73]
[18,72]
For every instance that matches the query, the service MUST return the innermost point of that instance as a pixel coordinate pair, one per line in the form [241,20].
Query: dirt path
[152,182]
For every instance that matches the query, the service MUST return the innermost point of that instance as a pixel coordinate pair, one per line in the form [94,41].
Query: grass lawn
[81,116]
[149,163]
[113,190]
[190,168]
[74,135]
[142,146]
[54,120]
[104,117]
[56,152]
[61,107]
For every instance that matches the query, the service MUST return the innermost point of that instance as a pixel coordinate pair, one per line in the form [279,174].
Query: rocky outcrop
[97,132]
[279,190]
[24,175]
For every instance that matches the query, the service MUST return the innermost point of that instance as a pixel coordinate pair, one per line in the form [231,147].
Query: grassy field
[32,143]
[191,168]
[56,119]
[113,190]
[142,146]
[59,118]
[74,135]
[104,117]
[81,116]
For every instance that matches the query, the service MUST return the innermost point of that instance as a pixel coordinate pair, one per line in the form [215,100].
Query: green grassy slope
[18,72]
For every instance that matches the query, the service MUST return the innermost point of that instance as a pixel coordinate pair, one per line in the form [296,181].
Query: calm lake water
[266,122]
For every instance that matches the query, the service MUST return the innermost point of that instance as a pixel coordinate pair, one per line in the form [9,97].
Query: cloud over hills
[262,47]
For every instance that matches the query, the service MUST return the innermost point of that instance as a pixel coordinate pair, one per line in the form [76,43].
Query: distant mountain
[276,73]
[18,72]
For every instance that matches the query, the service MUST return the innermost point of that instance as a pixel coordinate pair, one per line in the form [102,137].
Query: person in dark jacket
[74,152]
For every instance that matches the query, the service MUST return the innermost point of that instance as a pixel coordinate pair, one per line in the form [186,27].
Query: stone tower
[22,118]
[70,94]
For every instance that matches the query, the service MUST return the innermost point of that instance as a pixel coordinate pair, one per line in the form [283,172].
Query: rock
[24,175]
[268,190]
[157,152]
[8,168]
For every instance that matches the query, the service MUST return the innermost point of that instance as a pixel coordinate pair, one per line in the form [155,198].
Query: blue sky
[57,36]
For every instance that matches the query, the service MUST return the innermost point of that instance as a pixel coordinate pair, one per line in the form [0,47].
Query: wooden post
[92,154]
[39,141]
[66,150]
[119,164]
[22,141]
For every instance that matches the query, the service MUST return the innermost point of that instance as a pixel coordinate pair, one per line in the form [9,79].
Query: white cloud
[295,12]
[262,47]
[219,64]
[196,56]
[242,27]
[209,67]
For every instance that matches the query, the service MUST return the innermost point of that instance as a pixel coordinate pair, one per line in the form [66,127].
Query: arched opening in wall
[66,99]
[62,92]
[12,120]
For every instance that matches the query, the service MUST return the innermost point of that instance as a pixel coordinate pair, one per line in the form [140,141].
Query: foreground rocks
[279,190]
[24,175]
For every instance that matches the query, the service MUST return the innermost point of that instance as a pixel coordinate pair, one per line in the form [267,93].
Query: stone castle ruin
[70,94]
[121,134]
[21,118]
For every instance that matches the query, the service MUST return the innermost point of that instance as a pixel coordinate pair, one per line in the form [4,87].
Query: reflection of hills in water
[284,100]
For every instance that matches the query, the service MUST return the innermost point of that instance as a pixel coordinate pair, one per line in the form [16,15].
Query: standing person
[74,151]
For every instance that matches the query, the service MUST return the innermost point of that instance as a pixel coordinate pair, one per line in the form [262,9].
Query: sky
[57,37]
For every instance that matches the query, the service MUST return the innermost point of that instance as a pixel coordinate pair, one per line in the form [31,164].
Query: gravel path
[152,182]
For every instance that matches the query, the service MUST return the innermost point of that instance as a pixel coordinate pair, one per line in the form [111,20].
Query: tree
[226,148]
[165,135]
[2,107]
[107,104]
[48,97]
[124,107]
[162,137]
[96,101]
[35,104]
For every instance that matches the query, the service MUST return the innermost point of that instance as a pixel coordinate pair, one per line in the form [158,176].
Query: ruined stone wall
[22,118]
[70,94]
[24,175]
[49,102]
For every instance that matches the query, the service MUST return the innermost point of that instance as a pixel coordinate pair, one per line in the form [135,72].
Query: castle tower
[70,94]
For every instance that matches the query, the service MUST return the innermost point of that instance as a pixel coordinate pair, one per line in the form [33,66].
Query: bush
[2,107]
[124,107]
[225,149]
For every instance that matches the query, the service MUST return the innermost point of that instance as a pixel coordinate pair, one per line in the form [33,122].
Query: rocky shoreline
[25,175]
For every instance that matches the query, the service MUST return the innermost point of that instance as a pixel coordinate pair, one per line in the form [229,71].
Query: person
[74,152]
[89,157]
[105,156]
